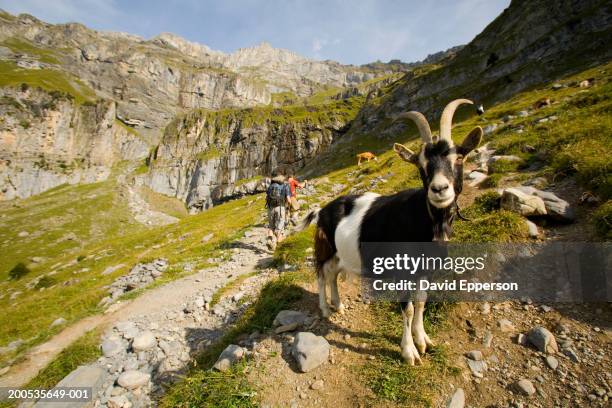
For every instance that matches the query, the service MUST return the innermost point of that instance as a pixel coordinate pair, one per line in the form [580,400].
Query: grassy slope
[106,236]
[583,120]
[47,79]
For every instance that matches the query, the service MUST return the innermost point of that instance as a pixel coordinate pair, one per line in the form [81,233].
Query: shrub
[24,124]
[19,271]
[45,282]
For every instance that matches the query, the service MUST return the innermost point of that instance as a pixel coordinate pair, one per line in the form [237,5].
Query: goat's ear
[405,153]
[471,141]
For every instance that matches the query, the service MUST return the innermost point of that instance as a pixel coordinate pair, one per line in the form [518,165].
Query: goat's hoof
[411,355]
[325,313]
[340,308]
[423,343]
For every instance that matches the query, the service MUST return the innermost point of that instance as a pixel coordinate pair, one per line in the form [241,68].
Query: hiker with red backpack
[278,198]
[294,205]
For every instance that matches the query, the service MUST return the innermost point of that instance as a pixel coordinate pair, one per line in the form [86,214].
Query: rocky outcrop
[207,157]
[47,139]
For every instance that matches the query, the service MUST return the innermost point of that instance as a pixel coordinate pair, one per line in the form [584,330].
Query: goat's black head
[440,161]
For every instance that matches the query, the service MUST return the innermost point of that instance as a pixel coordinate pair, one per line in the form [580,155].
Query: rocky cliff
[47,139]
[96,97]
[153,80]
[206,157]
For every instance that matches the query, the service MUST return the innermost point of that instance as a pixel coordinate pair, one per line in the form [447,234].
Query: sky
[350,32]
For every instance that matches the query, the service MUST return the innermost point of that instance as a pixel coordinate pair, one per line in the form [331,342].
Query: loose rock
[144,341]
[228,357]
[310,351]
[505,325]
[552,362]
[543,340]
[132,379]
[457,400]
[286,317]
[525,387]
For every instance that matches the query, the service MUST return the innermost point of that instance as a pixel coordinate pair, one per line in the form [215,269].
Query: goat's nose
[439,188]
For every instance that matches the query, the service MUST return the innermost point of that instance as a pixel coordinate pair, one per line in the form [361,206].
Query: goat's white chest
[347,234]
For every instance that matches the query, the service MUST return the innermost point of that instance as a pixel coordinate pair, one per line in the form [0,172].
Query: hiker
[278,198]
[294,206]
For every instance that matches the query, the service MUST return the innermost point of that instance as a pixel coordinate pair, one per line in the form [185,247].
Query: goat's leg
[409,351]
[335,296]
[325,312]
[421,339]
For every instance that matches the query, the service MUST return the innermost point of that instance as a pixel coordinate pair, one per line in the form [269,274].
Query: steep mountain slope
[528,44]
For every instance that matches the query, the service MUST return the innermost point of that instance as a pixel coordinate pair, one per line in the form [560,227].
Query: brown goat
[365,156]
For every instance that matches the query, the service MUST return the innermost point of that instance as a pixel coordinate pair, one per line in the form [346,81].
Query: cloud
[92,12]
[354,32]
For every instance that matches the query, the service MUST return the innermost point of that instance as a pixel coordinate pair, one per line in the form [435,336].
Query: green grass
[228,287]
[294,249]
[107,235]
[159,202]
[21,46]
[84,350]
[389,377]
[204,387]
[488,223]
[47,79]
[211,152]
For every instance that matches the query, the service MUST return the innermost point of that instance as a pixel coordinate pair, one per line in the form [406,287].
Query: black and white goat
[416,215]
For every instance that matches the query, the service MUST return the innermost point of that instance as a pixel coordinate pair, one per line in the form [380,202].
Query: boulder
[228,357]
[132,379]
[543,340]
[513,199]
[310,351]
[556,208]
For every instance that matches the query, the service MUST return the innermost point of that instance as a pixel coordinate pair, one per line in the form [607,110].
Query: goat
[415,215]
[366,156]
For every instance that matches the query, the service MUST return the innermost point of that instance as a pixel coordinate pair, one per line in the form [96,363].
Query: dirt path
[153,305]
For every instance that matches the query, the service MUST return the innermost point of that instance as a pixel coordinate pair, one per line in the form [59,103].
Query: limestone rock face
[153,80]
[46,139]
[205,158]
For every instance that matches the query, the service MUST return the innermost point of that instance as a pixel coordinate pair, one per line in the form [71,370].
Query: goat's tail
[312,216]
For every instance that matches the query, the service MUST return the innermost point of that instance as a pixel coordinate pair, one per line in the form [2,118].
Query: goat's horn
[446,121]
[421,123]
